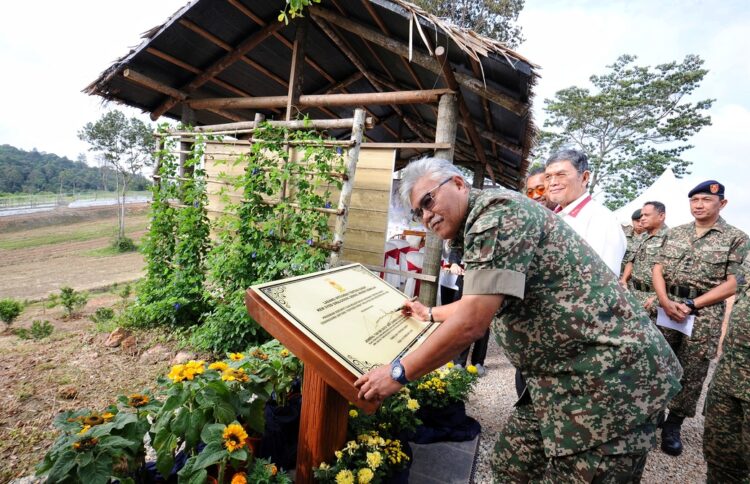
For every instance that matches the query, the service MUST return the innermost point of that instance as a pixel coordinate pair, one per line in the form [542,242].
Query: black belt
[642,286]
[684,291]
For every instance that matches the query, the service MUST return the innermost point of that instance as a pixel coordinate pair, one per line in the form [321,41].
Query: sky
[51,50]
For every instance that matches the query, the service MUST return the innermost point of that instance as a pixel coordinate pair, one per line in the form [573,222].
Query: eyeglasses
[538,191]
[427,202]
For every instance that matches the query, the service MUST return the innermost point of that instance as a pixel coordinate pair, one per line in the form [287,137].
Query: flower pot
[279,441]
[445,424]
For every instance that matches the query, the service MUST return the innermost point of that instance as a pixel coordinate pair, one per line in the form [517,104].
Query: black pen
[400,308]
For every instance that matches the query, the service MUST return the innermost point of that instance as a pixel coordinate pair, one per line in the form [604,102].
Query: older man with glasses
[597,370]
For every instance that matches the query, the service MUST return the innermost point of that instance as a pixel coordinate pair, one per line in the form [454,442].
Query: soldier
[632,238]
[726,435]
[536,190]
[597,370]
[694,273]
[641,261]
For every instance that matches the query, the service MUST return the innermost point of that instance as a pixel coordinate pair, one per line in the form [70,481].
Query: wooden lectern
[327,388]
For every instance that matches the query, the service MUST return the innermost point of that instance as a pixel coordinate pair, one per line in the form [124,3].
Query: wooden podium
[327,389]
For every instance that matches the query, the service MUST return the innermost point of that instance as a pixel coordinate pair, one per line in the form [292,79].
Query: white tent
[668,190]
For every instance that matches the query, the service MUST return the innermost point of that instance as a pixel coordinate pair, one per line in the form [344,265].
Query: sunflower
[193,368]
[107,416]
[176,373]
[239,478]
[236,356]
[218,366]
[260,355]
[235,437]
[93,419]
[137,400]
[84,429]
[230,374]
[85,444]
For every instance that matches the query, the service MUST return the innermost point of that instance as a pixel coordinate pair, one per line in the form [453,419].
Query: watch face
[396,372]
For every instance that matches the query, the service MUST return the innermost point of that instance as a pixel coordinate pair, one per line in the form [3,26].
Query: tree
[493,18]
[126,145]
[633,127]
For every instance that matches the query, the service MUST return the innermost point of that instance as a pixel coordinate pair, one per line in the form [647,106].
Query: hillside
[35,171]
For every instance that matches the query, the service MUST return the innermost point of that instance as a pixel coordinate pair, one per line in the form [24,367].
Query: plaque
[352,314]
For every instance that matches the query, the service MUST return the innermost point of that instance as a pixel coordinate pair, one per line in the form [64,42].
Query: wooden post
[445,132]
[322,425]
[478,176]
[346,190]
[295,74]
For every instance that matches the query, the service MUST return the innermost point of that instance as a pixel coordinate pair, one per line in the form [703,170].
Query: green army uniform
[726,436]
[692,266]
[633,241]
[644,257]
[597,370]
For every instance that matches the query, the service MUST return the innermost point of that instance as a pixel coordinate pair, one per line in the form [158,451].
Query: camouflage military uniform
[699,263]
[643,257]
[726,438]
[597,370]
[633,241]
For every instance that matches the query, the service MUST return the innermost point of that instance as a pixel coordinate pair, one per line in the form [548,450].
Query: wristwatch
[691,304]
[398,373]
[429,312]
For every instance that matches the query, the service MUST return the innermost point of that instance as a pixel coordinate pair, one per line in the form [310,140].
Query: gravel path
[495,395]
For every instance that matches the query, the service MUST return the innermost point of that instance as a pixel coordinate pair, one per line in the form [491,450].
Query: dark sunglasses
[427,202]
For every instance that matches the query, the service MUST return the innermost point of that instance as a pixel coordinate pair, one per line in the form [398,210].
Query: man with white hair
[597,370]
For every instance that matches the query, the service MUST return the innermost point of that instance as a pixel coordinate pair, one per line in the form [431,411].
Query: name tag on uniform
[685,326]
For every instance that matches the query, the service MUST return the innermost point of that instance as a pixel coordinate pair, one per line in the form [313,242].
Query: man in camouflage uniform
[726,435]
[694,273]
[598,372]
[640,262]
[632,237]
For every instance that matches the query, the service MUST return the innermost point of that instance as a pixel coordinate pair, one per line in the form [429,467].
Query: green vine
[293,9]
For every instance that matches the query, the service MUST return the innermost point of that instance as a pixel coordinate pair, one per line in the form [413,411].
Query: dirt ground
[47,251]
[34,272]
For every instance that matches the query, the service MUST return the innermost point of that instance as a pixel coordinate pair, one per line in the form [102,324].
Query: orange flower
[239,478]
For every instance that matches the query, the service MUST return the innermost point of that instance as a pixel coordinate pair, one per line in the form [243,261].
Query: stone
[182,357]
[115,337]
[129,344]
[154,355]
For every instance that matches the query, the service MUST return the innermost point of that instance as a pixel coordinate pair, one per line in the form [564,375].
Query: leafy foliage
[368,458]
[394,418]
[492,18]
[71,300]
[10,309]
[34,171]
[634,126]
[294,9]
[444,386]
[39,330]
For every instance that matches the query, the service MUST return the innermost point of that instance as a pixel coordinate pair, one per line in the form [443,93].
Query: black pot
[445,424]
[279,441]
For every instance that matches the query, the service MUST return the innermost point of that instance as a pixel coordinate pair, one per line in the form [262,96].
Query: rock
[68,392]
[115,337]
[182,357]
[129,344]
[154,355]
[28,480]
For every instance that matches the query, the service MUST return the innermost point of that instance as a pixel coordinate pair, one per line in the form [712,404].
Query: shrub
[71,300]
[10,309]
[124,244]
[103,318]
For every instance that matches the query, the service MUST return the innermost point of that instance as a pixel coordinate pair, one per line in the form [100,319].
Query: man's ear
[586,177]
[723,203]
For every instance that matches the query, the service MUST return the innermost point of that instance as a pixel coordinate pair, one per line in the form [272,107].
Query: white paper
[685,326]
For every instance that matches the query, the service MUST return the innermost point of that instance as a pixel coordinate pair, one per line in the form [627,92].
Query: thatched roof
[237,48]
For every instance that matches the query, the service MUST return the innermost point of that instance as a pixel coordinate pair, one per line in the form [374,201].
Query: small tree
[633,127]
[10,309]
[126,145]
[71,300]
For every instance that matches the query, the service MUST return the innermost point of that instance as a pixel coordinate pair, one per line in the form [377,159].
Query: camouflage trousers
[519,458]
[726,438]
[695,362]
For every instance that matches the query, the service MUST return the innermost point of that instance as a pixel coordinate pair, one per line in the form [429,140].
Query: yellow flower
[374,459]
[107,416]
[260,355]
[450,364]
[345,477]
[175,374]
[353,413]
[239,478]
[324,466]
[193,368]
[218,366]
[230,374]
[137,400]
[84,429]
[236,356]
[351,447]
[472,369]
[364,476]
[85,444]
[284,353]
[235,437]
[339,454]
[412,404]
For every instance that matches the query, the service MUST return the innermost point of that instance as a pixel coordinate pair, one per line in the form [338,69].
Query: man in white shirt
[566,178]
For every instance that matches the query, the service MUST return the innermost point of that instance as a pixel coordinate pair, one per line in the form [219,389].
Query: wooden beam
[321,124]
[296,71]
[315,100]
[154,85]
[418,57]
[476,69]
[218,66]
[412,146]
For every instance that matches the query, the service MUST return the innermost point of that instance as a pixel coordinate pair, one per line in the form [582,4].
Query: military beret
[712,187]
[636,215]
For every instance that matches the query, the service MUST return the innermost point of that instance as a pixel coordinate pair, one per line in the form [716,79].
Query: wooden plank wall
[364,240]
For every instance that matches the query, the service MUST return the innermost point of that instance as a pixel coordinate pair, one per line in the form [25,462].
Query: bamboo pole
[249,126]
[346,189]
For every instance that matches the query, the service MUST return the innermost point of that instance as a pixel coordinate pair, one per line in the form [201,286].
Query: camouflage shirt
[703,263]
[633,241]
[733,372]
[645,253]
[595,365]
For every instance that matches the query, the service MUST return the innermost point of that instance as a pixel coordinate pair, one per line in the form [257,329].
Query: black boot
[670,435]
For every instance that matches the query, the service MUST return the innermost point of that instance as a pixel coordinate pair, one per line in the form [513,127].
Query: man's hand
[457,270]
[676,311]
[377,385]
[416,309]
[649,302]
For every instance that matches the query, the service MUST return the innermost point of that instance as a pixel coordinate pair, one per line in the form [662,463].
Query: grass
[107,251]
[84,231]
